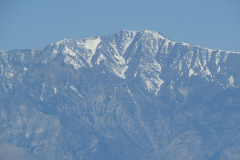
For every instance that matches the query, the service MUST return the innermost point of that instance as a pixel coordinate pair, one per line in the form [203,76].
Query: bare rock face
[130,95]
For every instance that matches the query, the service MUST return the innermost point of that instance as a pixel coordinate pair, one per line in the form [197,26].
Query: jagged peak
[153,33]
[61,42]
[127,31]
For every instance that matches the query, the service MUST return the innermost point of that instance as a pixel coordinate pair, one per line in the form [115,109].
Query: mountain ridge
[129,95]
[81,53]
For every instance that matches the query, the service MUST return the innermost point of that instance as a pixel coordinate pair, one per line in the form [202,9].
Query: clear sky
[33,24]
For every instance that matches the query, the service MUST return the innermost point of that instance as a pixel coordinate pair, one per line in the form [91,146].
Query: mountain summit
[130,95]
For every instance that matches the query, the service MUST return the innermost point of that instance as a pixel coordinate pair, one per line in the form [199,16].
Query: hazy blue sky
[33,24]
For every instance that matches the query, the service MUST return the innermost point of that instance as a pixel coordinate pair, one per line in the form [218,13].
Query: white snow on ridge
[85,48]
[55,51]
[153,84]
[92,44]
[127,40]
[68,60]
[209,50]
[189,57]
[158,82]
[198,64]
[225,56]
[209,53]
[119,59]
[204,58]
[185,44]
[155,34]
[179,66]
[69,51]
[119,71]
[116,56]
[150,76]
[217,57]
[168,44]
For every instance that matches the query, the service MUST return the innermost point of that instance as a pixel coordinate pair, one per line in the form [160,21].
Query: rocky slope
[130,95]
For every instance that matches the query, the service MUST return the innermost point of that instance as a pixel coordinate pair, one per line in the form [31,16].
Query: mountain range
[129,95]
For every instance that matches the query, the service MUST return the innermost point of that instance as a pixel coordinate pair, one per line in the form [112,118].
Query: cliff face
[130,95]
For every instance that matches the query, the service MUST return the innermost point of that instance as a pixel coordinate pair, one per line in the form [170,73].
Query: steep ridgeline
[130,95]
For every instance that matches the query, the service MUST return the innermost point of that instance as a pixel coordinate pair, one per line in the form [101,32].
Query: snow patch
[76,91]
[153,84]
[68,60]
[218,69]
[150,76]
[209,54]
[69,51]
[231,81]
[9,85]
[129,92]
[225,56]
[100,58]
[155,34]
[40,130]
[55,90]
[189,57]
[191,72]
[41,98]
[90,44]
[119,59]
[207,72]
[180,66]
[1,69]
[217,57]
[129,59]
[135,74]
[126,41]
[8,74]
[55,51]
[204,62]
[4,87]
[119,71]
[185,44]
[198,64]
[184,91]
[171,85]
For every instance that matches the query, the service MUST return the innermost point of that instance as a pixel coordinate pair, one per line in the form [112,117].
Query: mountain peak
[128,95]
[155,33]
[145,32]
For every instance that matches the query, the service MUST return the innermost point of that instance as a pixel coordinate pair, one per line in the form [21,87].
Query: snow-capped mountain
[130,95]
